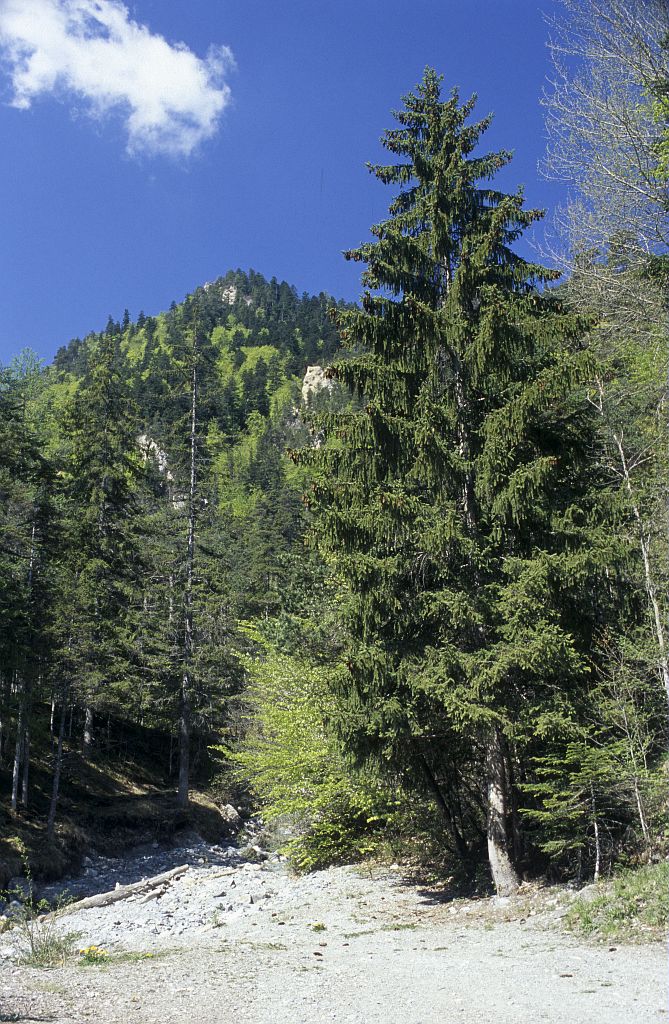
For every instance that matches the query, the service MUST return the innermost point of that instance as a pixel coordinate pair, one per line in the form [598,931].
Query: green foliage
[101,519]
[296,769]
[597,789]
[575,790]
[485,570]
[634,906]
[41,941]
[458,501]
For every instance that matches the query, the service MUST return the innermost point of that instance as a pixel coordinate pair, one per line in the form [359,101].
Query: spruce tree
[28,533]
[455,501]
[195,392]
[102,468]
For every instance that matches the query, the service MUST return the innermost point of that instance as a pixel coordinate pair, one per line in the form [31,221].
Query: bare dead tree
[608,56]
[610,62]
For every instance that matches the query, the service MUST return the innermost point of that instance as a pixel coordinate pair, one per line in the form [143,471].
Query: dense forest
[414,603]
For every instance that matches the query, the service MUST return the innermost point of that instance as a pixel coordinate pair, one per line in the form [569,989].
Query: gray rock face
[231,816]
[314,381]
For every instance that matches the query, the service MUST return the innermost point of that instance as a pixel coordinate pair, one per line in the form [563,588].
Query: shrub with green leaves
[635,905]
[596,795]
[296,769]
[41,943]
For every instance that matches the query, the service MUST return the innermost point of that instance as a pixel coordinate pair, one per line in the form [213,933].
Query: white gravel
[246,943]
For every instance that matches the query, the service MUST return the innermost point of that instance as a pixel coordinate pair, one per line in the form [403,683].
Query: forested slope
[423,612]
[149,507]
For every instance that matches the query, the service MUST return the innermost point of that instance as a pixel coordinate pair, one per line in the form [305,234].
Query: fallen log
[155,894]
[122,892]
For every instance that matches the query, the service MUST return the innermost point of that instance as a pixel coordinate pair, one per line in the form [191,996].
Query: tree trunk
[123,892]
[55,789]
[503,872]
[4,716]
[517,844]
[188,646]
[18,752]
[21,753]
[649,580]
[184,742]
[461,848]
[640,810]
[26,765]
[87,744]
[22,750]
[595,825]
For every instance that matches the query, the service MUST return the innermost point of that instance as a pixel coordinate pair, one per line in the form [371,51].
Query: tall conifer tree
[102,470]
[455,501]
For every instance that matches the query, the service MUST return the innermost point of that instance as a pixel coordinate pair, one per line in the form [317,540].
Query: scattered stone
[230,815]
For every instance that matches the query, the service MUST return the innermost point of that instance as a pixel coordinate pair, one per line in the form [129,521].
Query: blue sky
[149,147]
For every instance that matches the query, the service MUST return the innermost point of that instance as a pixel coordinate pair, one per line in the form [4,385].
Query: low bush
[297,771]
[633,906]
[40,940]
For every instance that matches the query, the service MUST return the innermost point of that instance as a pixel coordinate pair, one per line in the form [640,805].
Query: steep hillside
[155,505]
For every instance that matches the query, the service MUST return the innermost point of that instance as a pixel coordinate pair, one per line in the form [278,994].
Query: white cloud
[171,99]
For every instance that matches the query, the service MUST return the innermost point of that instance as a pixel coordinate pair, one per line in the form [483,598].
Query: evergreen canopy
[455,501]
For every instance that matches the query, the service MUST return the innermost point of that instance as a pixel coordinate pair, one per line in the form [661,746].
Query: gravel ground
[236,941]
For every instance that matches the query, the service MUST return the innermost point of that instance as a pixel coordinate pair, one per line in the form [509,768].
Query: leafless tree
[610,62]
[608,58]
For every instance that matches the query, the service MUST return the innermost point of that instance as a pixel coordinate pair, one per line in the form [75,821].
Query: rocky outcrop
[229,293]
[152,452]
[314,381]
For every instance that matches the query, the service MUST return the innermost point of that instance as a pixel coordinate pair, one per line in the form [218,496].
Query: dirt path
[252,945]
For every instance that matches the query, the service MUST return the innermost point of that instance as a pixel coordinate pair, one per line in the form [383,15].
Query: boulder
[315,380]
[231,816]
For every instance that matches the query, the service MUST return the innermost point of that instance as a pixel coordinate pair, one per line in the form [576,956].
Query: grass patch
[40,943]
[95,956]
[634,907]
[42,946]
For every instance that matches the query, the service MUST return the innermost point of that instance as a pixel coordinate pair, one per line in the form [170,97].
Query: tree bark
[104,899]
[55,789]
[87,744]
[22,750]
[595,825]
[446,811]
[503,872]
[184,742]
[18,751]
[26,765]
[4,716]
[640,810]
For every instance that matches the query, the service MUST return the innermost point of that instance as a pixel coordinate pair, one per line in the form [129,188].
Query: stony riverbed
[239,939]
